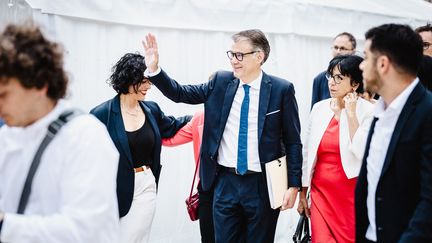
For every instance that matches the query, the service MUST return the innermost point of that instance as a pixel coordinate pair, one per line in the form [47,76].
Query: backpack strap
[53,129]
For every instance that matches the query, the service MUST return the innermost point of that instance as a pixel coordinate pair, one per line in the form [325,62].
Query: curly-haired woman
[136,127]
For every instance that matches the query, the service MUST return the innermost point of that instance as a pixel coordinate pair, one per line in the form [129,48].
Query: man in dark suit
[394,189]
[343,44]
[251,118]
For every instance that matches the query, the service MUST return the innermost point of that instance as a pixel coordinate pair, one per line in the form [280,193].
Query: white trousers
[135,226]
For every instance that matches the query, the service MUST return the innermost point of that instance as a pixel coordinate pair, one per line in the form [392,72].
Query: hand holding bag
[192,202]
[302,234]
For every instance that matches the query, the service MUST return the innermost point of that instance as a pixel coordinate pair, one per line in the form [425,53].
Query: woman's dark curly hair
[348,65]
[25,54]
[129,70]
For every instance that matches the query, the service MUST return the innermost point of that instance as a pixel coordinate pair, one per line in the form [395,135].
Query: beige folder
[277,181]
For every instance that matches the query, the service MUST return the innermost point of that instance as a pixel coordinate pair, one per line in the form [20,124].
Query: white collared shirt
[73,197]
[229,144]
[383,131]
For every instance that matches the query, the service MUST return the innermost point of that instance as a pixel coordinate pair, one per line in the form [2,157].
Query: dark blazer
[404,193]
[425,72]
[163,127]
[320,90]
[278,121]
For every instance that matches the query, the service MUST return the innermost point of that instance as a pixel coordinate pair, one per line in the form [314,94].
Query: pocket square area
[270,113]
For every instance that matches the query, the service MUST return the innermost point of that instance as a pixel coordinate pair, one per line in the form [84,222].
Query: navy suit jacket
[403,199]
[320,90]
[278,121]
[163,127]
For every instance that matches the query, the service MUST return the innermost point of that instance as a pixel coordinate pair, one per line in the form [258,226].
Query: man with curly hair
[70,199]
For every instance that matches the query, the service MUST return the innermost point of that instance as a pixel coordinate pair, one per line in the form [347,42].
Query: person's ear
[383,64]
[260,56]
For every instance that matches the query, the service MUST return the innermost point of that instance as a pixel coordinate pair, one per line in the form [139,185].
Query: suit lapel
[153,124]
[406,112]
[120,129]
[264,98]
[227,103]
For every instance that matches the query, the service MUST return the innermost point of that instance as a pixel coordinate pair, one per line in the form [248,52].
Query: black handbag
[302,233]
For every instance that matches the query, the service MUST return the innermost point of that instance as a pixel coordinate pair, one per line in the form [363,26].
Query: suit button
[379,199]
[380,228]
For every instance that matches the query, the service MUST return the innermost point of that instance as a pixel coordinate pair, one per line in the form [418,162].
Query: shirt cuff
[148,74]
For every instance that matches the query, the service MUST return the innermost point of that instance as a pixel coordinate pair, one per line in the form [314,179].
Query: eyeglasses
[426,45]
[238,55]
[336,78]
[340,48]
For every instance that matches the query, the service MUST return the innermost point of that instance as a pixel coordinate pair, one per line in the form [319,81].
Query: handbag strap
[53,128]
[193,182]
[298,232]
[306,232]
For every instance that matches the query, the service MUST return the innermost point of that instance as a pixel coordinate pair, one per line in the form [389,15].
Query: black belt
[234,171]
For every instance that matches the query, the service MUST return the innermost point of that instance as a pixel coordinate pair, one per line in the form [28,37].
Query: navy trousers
[205,214]
[241,209]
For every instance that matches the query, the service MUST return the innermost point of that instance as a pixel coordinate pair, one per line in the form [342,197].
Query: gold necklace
[136,113]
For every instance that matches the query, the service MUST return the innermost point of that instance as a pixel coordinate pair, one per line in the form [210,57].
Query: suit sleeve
[305,169]
[420,225]
[169,125]
[184,135]
[291,138]
[100,113]
[316,91]
[190,94]
[358,143]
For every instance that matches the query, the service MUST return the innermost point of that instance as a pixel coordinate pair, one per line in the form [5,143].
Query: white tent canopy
[193,37]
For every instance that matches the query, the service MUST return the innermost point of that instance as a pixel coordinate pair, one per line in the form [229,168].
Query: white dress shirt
[229,143]
[384,127]
[73,197]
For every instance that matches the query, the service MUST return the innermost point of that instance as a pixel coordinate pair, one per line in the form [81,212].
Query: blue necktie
[243,133]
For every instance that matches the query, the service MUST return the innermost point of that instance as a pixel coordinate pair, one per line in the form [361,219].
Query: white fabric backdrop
[193,36]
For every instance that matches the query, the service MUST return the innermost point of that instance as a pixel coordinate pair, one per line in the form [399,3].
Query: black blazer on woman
[163,127]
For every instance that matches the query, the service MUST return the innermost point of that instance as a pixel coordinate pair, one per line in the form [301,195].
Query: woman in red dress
[336,138]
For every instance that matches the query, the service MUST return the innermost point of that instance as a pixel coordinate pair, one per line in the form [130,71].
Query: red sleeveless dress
[332,193]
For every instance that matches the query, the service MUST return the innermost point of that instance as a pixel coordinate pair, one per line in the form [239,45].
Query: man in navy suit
[251,118]
[394,189]
[343,44]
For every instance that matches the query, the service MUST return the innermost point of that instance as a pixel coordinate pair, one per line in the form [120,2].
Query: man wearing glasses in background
[426,34]
[425,70]
[250,118]
[343,44]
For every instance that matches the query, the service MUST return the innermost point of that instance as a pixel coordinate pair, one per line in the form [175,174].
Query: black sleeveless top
[141,144]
